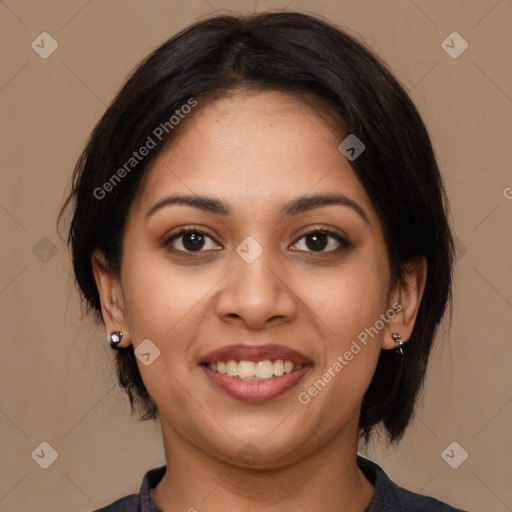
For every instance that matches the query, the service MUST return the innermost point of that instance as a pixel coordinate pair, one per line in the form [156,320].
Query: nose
[257,293]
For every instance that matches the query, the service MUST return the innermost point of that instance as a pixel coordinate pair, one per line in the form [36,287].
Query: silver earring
[115,339]
[397,338]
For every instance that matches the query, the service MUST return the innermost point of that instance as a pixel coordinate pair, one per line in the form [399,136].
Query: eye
[192,240]
[317,239]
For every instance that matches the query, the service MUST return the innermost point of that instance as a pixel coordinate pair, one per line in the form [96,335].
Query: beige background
[57,383]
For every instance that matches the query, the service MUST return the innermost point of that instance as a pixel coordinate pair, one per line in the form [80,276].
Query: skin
[256,151]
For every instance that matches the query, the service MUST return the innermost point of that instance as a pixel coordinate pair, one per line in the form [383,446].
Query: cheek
[167,305]
[349,300]
[332,394]
[158,296]
[350,308]
[163,305]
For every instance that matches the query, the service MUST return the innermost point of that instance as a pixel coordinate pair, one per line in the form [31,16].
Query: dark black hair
[300,54]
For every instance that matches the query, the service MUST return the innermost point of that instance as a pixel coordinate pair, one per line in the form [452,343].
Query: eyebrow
[294,207]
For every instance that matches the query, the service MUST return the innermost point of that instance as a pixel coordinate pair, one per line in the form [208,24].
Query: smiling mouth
[254,370]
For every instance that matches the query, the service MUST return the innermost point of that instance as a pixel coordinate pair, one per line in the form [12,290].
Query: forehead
[255,150]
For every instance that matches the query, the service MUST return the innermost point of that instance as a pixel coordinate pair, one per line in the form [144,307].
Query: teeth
[250,370]
[232,368]
[264,369]
[246,369]
[278,368]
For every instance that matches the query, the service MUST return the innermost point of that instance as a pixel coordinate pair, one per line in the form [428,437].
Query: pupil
[192,240]
[319,240]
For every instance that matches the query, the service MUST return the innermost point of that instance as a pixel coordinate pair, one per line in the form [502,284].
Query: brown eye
[317,240]
[190,240]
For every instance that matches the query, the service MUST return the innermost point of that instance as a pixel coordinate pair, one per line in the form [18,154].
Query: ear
[405,300]
[111,297]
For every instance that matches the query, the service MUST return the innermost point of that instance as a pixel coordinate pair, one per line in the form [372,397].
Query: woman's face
[255,279]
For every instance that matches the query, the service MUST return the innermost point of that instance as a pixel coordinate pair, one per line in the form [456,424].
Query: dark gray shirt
[387,496]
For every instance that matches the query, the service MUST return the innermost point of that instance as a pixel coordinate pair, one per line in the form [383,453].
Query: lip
[248,352]
[255,391]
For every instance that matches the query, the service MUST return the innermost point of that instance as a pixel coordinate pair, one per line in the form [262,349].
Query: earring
[115,339]
[397,338]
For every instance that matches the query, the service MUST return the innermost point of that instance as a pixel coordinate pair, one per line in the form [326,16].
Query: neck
[327,478]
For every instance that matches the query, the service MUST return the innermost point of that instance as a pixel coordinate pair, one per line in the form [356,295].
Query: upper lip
[248,352]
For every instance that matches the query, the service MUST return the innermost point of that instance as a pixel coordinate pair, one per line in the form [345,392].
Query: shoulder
[420,503]
[389,497]
[141,501]
[127,504]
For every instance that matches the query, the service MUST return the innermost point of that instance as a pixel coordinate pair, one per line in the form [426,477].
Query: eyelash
[344,243]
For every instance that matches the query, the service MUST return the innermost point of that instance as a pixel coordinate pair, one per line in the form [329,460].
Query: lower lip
[253,390]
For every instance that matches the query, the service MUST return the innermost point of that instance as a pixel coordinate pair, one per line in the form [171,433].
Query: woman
[260,223]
